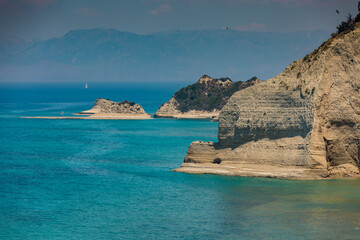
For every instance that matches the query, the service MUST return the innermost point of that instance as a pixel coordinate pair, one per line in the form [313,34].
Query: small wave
[51,106]
[8,105]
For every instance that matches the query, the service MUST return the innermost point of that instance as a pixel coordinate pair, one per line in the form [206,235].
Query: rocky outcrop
[301,124]
[105,108]
[203,99]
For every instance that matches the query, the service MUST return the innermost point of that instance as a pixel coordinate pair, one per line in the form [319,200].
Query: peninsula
[203,99]
[302,124]
[107,109]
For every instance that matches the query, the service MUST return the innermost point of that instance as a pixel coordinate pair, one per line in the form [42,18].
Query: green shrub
[282,84]
[347,25]
[208,96]
[307,58]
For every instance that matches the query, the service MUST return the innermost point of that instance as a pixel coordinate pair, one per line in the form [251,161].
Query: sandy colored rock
[107,106]
[106,109]
[301,124]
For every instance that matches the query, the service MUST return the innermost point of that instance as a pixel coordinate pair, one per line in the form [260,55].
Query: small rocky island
[107,109]
[302,124]
[203,99]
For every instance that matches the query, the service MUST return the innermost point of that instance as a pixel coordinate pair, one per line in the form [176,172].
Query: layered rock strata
[203,99]
[301,124]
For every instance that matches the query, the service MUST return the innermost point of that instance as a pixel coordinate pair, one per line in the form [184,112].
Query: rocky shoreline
[193,114]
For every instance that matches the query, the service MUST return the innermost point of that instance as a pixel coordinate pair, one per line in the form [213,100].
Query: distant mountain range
[112,55]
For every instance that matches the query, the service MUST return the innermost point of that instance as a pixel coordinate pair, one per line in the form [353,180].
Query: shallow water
[106,179]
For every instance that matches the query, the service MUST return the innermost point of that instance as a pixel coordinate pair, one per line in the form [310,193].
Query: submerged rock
[203,99]
[302,124]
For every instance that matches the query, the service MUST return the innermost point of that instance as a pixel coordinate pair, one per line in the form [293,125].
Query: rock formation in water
[106,107]
[203,99]
[301,124]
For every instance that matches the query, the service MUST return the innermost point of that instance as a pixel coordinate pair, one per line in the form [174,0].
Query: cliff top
[100,101]
[304,74]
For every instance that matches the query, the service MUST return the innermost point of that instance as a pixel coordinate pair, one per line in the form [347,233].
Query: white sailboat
[86,86]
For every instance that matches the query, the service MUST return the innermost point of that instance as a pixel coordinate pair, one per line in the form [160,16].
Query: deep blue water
[112,179]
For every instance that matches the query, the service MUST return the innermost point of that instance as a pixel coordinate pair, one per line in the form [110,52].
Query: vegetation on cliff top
[100,100]
[209,95]
[349,24]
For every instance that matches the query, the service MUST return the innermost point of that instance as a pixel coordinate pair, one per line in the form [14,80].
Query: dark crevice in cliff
[217,161]
[243,136]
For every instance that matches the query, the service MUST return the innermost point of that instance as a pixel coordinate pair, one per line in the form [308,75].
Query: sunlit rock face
[107,106]
[303,123]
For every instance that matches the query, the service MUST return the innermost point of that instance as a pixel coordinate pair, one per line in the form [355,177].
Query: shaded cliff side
[302,124]
[203,99]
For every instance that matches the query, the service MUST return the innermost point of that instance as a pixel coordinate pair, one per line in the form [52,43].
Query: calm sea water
[106,179]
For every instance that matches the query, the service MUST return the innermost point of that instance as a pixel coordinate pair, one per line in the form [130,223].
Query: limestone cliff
[203,99]
[302,124]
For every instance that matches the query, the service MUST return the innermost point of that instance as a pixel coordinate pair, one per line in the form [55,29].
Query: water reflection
[282,209]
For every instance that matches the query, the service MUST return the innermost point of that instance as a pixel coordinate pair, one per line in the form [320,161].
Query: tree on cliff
[349,24]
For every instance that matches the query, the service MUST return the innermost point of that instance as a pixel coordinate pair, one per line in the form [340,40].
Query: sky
[44,19]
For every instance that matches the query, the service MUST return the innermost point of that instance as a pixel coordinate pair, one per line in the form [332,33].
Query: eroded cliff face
[303,123]
[204,99]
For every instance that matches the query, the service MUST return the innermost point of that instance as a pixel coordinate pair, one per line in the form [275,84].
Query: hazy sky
[52,18]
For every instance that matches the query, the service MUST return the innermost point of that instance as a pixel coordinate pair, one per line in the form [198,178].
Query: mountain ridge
[112,55]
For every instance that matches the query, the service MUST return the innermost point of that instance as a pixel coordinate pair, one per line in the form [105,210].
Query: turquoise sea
[112,179]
